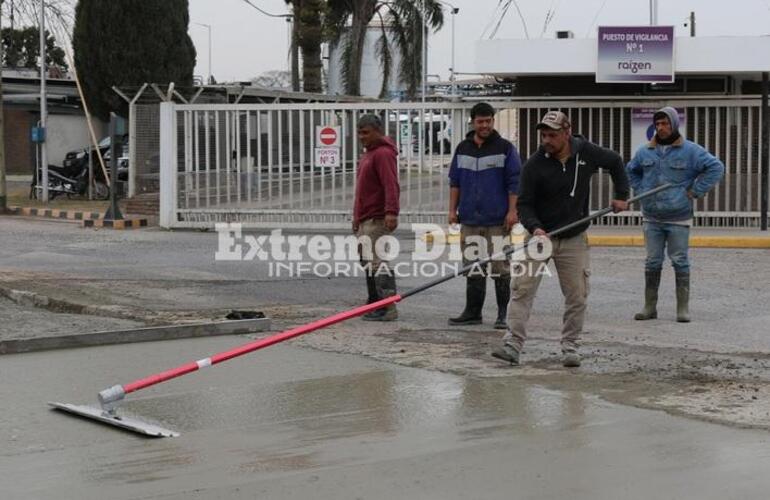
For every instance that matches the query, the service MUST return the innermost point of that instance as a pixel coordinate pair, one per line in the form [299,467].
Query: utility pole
[424,50]
[3,192]
[44,104]
[653,12]
[208,27]
[452,76]
[294,49]
[692,24]
[765,167]
[424,28]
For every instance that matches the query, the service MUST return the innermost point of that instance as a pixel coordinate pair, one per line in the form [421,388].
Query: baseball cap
[555,120]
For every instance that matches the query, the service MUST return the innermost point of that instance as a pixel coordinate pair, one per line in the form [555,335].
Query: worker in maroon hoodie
[375,211]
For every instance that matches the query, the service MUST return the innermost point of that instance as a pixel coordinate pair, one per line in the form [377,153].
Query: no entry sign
[327,136]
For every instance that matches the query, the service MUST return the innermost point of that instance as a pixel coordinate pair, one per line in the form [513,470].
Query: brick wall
[19,150]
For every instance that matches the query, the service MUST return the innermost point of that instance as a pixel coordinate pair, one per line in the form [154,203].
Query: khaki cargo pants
[369,233]
[482,242]
[571,256]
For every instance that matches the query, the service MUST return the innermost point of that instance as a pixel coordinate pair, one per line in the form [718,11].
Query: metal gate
[256,163]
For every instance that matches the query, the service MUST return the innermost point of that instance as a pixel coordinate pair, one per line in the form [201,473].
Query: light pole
[3,194]
[424,28]
[208,27]
[43,104]
[452,10]
[653,12]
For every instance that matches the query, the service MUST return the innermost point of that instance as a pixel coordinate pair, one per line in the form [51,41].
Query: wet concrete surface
[291,422]
[413,408]
[695,369]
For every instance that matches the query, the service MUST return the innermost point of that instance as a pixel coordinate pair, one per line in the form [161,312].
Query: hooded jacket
[377,188]
[552,194]
[486,175]
[686,165]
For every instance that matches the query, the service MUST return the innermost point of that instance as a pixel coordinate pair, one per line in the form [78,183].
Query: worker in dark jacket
[483,180]
[554,191]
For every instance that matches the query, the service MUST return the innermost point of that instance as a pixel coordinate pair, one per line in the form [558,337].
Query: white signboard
[327,157]
[327,137]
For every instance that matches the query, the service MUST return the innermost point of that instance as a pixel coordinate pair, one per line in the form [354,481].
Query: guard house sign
[635,54]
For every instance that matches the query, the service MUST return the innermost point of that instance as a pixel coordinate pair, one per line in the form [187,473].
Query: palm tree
[308,35]
[402,26]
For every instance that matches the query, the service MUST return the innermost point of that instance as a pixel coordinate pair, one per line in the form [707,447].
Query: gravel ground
[23,322]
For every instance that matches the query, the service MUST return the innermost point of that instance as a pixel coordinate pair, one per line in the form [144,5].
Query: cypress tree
[126,43]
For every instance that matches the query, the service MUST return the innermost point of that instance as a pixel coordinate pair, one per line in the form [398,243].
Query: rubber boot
[475,292]
[503,295]
[371,288]
[682,298]
[386,287]
[651,285]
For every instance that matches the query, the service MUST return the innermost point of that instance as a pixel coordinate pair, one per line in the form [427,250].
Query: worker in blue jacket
[483,186]
[668,215]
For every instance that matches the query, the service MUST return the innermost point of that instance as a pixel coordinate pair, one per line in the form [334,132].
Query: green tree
[21,49]
[402,26]
[128,43]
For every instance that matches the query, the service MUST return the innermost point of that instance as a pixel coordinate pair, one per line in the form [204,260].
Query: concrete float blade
[124,422]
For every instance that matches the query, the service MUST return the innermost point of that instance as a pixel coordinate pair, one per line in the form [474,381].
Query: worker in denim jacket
[668,215]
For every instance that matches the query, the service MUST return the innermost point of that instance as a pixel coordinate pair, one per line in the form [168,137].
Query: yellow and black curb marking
[88,219]
[53,213]
[116,224]
[634,240]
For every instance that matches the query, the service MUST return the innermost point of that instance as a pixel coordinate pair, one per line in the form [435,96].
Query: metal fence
[256,163]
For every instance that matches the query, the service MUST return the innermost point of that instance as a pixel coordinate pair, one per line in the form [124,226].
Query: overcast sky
[247,43]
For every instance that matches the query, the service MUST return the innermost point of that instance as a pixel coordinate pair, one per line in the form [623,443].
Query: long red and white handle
[109,397]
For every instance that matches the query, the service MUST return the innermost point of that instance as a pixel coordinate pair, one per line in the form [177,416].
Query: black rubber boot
[503,295]
[475,292]
[651,285]
[371,288]
[683,297]
[386,287]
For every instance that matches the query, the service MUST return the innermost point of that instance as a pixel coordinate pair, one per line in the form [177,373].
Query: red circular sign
[328,136]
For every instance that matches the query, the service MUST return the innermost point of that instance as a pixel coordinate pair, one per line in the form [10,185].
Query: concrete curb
[88,219]
[152,334]
[134,223]
[630,240]
[33,299]
[53,213]
[695,241]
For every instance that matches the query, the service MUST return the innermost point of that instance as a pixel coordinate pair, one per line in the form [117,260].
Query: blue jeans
[658,235]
